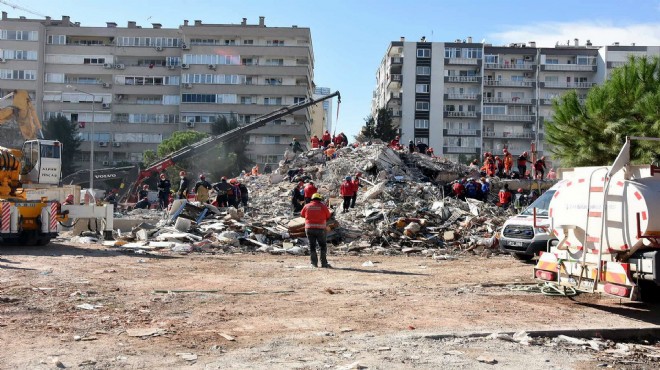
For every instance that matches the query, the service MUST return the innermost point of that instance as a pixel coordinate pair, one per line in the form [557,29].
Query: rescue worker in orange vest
[508,162]
[346,191]
[504,196]
[255,170]
[316,143]
[326,138]
[316,215]
[331,152]
[309,190]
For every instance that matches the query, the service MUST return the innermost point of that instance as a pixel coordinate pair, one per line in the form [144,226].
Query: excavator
[134,176]
[29,178]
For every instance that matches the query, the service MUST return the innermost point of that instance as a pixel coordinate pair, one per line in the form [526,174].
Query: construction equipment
[128,194]
[603,229]
[28,180]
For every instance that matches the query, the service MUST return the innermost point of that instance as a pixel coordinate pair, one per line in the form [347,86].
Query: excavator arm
[22,111]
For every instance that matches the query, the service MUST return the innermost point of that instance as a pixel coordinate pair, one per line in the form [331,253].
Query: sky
[350,37]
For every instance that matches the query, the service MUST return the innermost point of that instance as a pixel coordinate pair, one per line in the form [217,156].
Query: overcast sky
[350,37]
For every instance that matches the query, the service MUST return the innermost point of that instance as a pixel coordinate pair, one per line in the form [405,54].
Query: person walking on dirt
[316,215]
[346,191]
[164,186]
[201,189]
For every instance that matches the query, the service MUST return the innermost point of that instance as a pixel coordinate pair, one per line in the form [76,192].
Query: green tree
[368,131]
[231,157]
[61,129]
[592,132]
[384,129]
[177,141]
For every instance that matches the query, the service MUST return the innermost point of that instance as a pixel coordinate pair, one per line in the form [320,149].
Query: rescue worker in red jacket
[316,143]
[356,186]
[522,164]
[326,138]
[458,189]
[539,168]
[491,167]
[504,196]
[500,166]
[316,215]
[310,190]
[337,140]
[346,191]
[394,143]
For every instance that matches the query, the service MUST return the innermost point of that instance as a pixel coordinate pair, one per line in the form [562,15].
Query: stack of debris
[403,208]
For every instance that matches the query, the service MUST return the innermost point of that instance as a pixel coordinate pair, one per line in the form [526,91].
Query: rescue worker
[112,198]
[357,184]
[309,190]
[244,193]
[234,196]
[471,189]
[222,190]
[143,203]
[144,192]
[504,196]
[316,143]
[201,189]
[499,163]
[474,165]
[298,197]
[267,169]
[344,139]
[394,143]
[296,147]
[508,162]
[519,200]
[255,170]
[411,146]
[346,191]
[485,189]
[522,165]
[331,152]
[316,215]
[458,189]
[421,147]
[164,192]
[184,183]
[326,139]
[539,168]
[337,140]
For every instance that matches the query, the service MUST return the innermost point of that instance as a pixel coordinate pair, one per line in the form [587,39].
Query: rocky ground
[88,306]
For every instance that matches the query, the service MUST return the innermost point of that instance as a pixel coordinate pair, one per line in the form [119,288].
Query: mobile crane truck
[25,174]
[603,229]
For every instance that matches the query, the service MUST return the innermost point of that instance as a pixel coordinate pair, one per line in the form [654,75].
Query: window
[422,88]
[423,70]
[492,59]
[552,61]
[422,105]
[9,74]
[494,109]
[198,98]
[230,42]
[19,35]
[273,101]
[274,62]
[248,100]
[93,60]
[299,99]
[423,53]
[248,42]
[57,39]
[55,77]
[452,53]
[249,61]
[551,78]
[275,42]
[472,53]
[422,123]
[226,99]
[273,81]
[171,99]
[19,54]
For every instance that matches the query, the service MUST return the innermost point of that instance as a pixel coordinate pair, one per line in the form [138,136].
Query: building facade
[137,86]
[464,98]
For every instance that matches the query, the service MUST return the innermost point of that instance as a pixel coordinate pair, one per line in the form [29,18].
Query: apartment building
[322,112]
[137,85]
[464,98]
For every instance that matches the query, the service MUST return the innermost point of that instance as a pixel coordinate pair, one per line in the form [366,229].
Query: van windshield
[541,204]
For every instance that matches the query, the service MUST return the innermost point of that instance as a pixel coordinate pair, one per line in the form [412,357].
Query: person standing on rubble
[295,146]
[411,146]
[471,189]
[222,189]
[519,200]
[337,140]
[421,147]
[315,141]
[234,196]
[394,143]
[485,189]
[326,139]
[201,189]
[458,189]
[508,162]
[244,193]
[331,152]
[298,197]
[522,165]
[144,192]
[267,169]
[164,187]
[316,216]
[500,166]
[309,190]
[255,170]
[504,196]
[346,191]
[539,168]
[182,193]
[357,184]
[344,139]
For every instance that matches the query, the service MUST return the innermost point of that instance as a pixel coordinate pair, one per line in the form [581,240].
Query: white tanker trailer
[606,227]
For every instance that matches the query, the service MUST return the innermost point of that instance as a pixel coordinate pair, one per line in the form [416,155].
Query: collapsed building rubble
[403,208]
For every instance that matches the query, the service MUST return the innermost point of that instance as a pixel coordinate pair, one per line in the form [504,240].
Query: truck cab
[522,236]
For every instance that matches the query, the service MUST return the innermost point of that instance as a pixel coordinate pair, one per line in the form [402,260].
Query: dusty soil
[279,312]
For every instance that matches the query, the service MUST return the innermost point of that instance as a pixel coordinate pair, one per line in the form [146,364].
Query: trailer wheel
[522,256]
[649,291]
[43,241]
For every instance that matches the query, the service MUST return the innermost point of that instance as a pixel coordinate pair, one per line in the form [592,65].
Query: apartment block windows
[248,42]
[56,40]
[491,59]
[423,53]
[423,70]
[422,123]
[19,54]
[19,35]
[273,81]
[273,101]
[452,53]
[10,74]
[422,88]
[274,62]
[472,53]
[275,42]
[552,61]
[96,61]
[494,109]
[422,105]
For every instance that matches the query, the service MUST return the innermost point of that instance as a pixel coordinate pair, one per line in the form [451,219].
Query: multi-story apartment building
[322,112]
[464,98]
[138,85]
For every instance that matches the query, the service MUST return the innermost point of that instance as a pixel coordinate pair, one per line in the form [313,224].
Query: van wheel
[522,256]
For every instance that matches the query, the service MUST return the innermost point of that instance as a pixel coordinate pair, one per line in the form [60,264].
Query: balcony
[396,60]
[509,83]
[568,85]
[459,149]
[454,114]
[510,117]
[510,66]
[463,61]
[462,96]
[461,132]
[395,80]
[513,100]
[569,67]
[508,135]
[460,79]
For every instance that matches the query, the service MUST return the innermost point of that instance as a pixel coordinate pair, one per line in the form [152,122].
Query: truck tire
[522,256]
[43,241]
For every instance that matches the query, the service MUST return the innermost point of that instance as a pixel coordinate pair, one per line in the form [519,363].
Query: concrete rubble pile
[400,210]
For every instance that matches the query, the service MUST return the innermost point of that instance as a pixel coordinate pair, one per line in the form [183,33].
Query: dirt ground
[92,307]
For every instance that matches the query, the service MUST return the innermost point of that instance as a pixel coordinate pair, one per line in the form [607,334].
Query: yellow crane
[22,111]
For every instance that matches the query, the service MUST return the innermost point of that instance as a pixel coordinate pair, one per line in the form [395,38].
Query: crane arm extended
[209,143]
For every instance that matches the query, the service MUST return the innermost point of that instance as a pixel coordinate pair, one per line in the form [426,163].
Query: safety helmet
[347,178]
[202,177]
[223,178]
[317,196]
[520,190]
[294,139]
[525,154]
[182,173]
[232,181]
[162,175]
[497,157]
[145,186]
